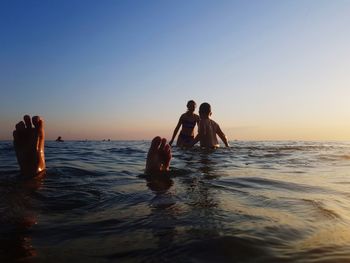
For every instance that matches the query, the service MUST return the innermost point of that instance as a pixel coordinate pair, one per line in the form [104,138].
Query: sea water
[282,201]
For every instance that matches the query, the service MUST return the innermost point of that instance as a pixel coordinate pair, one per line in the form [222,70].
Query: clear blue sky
[125,69]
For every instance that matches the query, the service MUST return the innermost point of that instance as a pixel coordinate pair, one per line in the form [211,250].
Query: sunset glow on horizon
[120,70]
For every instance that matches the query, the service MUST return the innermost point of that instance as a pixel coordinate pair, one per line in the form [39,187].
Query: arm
[222,136]
[198,136]
[176,130]
[196,139]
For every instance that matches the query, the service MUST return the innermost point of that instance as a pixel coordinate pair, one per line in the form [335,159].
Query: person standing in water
[208,129]
[188,121]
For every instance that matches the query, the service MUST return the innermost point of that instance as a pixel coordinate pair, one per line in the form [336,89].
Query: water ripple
[254,202]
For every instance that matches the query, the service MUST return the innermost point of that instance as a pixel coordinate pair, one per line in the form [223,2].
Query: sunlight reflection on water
[257,201]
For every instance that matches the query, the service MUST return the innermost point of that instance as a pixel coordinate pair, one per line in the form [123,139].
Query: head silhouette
[205,109]
[191,105]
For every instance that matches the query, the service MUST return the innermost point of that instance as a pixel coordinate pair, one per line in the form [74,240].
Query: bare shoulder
[183,115]
[215,124]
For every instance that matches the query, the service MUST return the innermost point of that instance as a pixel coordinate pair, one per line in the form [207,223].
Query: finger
[27,121]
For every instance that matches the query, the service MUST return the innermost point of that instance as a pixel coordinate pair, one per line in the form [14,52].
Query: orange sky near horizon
[272,70]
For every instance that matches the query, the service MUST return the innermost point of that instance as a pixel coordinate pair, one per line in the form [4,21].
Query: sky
[124,70]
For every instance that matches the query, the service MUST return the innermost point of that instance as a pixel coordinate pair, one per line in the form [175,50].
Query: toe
[162,144]
[36,120]
[40,125]
[15,135]
[167,156]
[167,149]
[27,121]
[19,133]
[20,126]
[155,144]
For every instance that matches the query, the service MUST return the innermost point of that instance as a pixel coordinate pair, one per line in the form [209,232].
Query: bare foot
[159,156]
[29,145]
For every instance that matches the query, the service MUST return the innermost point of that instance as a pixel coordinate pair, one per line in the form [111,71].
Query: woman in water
[188,121]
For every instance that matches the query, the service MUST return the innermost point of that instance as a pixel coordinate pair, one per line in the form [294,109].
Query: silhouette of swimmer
[187,121]
[59,139]
[29,146]
[208,129]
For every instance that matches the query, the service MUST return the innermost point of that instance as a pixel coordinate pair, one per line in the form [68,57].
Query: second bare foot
[159,156]
[29,145]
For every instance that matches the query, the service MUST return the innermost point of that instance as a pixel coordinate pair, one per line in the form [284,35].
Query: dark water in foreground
[254,202]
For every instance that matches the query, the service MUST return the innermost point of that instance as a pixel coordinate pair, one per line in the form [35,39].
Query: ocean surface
[282,201]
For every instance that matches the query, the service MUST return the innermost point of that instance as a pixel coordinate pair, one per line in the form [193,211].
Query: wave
[125,151]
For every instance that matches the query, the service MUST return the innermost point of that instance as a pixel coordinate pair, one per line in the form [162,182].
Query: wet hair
[189,102]
[205,108]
